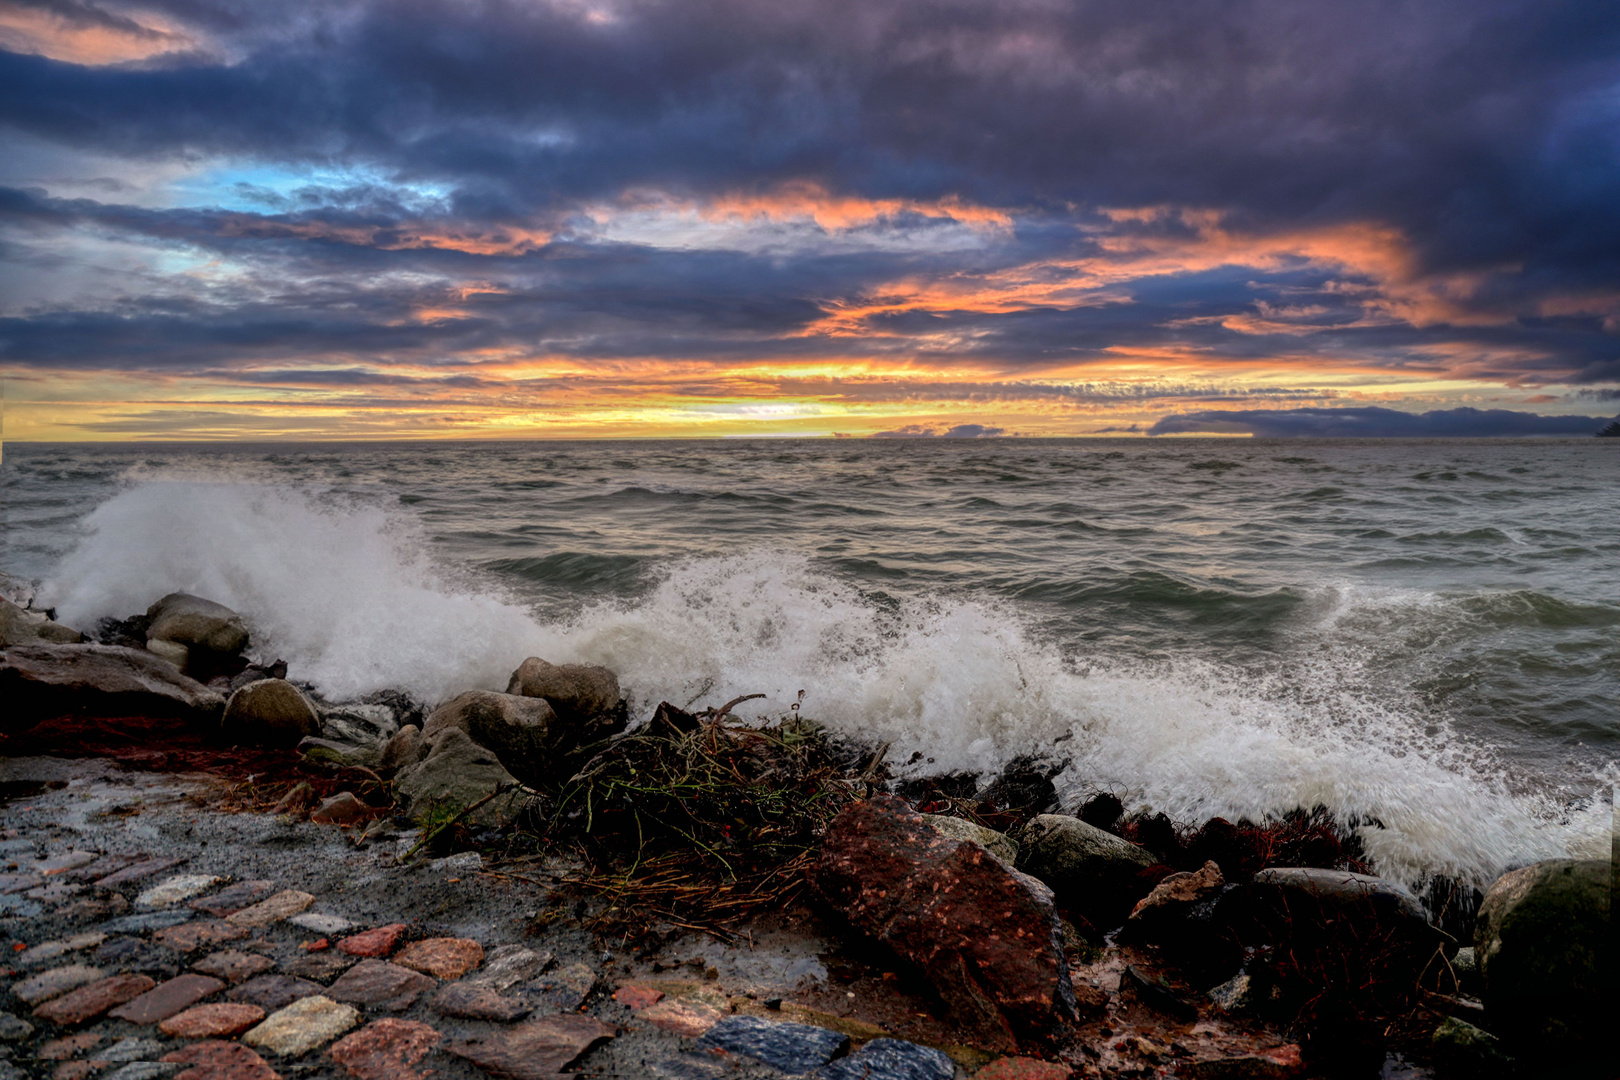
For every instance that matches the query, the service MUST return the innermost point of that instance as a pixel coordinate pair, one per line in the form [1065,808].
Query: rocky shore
[207,870]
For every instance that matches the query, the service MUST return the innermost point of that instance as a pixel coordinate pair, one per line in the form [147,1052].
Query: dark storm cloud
[1371,421]
[960,431]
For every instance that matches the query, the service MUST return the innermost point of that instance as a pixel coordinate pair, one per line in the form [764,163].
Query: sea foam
[345,591]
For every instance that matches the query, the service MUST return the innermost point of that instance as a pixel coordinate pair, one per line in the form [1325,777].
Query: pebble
[566,989]
[272,909]
[50,950]
[466,862]
[173,890]
[470,1001]
[131,1049]
[375,943]
[220,1061]
[273,991]
[64,1048]
[214,1021]
[138,871]
[688,1018]
[233,898]
[890,1059]
[80,1005]
[377,984]
[789,1047]
[385,1050]
[325,925]
[536,1050]
[191,936]
[637,997]
[145,924]
[14,1028]
[56,982]
[323,966]
[1024,1068]
[168,998]
[234,966]
[302,1026]
[103,866]
[443,958]
[507,965]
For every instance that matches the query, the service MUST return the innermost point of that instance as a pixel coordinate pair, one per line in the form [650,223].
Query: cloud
[1375,422]
[960,431]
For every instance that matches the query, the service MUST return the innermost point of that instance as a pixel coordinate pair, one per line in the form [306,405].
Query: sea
[1422,637]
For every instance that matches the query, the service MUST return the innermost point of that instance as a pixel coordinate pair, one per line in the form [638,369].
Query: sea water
[1419,635]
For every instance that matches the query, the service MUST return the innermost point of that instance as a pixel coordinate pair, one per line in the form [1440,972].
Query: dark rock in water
[890,1059]
[1096,871]
[197,624]
[270,712]
[1192,917]
[1102,812]
[791,1048]
[1462,1050]
[128,633]
[19,626]
[574,691]
[1023,790]
[1313,896]
[254,672]
[667,720]
[456,773]
[985,935]
[1158,834]
[359,723]
[1133,985]
[944,788]
[1540,945]
[40,682]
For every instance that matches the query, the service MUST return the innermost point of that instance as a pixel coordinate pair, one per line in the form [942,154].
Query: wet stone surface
[792,1048]
[380,985]
[890,1059]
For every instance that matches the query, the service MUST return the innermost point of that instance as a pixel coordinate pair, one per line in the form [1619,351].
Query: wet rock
[402,751]
[197,624]
[364,725]
[325,925]
[235,967]
[67,1046]
[470,1001]
[1137,987]
[40,682]
[344,808]
[1340,891]
[890,1059]
[1280,1063]
[507,965]
[19,626]
[1102,812]
[55,983]
[1539,941]
[87,1002]
[14,1028]
[456,773]
[171,652]
[173,890]
[1462,1050]
[271,992]
[168,998]
[1025,787]
[563,990]
[985,935]
[1000,845]
[633,996]
[321,966]
[331,752]
[1192,917]
[302,1026]
[1023,1068]
[575,691]
[375,943]
[523,732]
[385,1050]
[443,958]
[270,712]
[271,909]
[1172,896]
[679,1017]
[140,870]
[536,1050]
[1465,966]
[217,1060]
[377,984]
[1094,870]
[789,1047]
[133,954]
[216,1021]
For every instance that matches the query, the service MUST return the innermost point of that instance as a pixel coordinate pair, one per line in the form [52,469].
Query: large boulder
[197,624]
[531,740]
[1539,942]
[986,935]
[575,691]
[270,712]
[1337,894]
[38,682]
[998,844]
[454,775]
[19,626]
[1096,871]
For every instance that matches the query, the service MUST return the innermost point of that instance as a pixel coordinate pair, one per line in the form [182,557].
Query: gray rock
[1391,902]
[141,924]
[507,965]
[197,624]
[43,681]
[523,732]
[402,751]
[14,1028]
[331,752]
[144,1070]
[269,712]
[362,724]
[1085,866]
[890,1059]
[1465,966]
[19,626]
[573,690]
[1539,940]
[563,991]
[1000,845]
[171,652]
[456,773]
[789,1047]
[1462,1050]
[16,590]
[377,984]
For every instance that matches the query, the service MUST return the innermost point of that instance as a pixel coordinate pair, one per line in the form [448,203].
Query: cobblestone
[302,1026]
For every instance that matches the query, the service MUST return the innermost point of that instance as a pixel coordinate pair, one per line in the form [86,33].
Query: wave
[345,590]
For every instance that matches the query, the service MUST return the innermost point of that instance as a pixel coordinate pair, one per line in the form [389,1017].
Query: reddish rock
[537,1050]
[77,1070]
[637,997]
[376,944]
[272,909]
[139,871]
[985,935]
[385,1050]
[191,936]
[271,992]
[221,1061]
[230,900]
[1180,890]
[233,966]
[341,809]
[212,1021]
[64,1048]
[443,958]
[93,1000]
[377,984]
[688,1018]
[471,1001]
[166,999]
[1023,1068]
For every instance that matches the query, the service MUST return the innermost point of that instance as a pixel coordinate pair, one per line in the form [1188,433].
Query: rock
[1278,1063]
[1192,917]
[536,1050]
[14,1028]
[471,1001]
[341,809]
[325,925]
[376,943]
[1340,890]
[16,590]
[402,751]
[233,898]
[170,652]
[321,966]
[685,1018]
[133,954]
[1135,986]
[270,712]
[1177,892]
[1000,845]
[234,967]
[1465,966]
[1095,871]
[524,733]
[67,1046]
[1023,1068]
[507,965]
[40,682]
[377,984]
[456,773]
[329,752]
[167,998]
[985,935]
[890,1059]
[146,923]
[139,870]
[443,958]
[633,996]
[575,691]
[52,950]
[789,1047]
[271,992]
[302,1026]
[173,890]
[91,1001]
[367,725]
[215,1060]
[564,990]
[1332,909]
[197,624]
[214,1021]
[55,983]
[19,626]
[1462,1050]
[385,1050]
[271,909]
[1539,941]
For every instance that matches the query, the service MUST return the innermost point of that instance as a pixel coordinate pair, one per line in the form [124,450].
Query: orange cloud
[107,39]
[801,200]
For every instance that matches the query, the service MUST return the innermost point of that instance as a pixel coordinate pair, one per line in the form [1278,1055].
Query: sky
[223,219]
